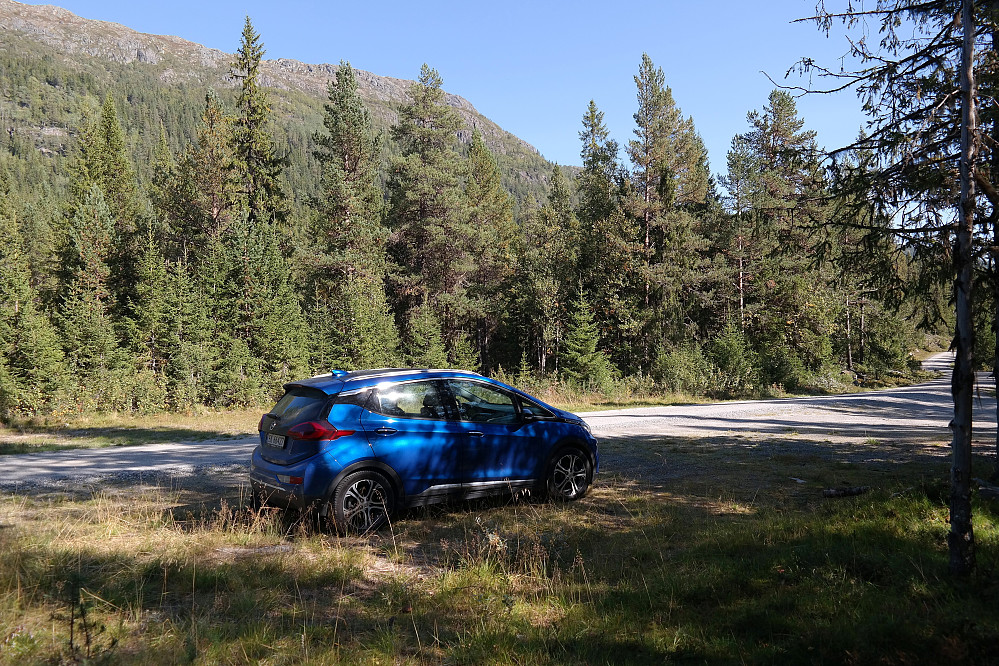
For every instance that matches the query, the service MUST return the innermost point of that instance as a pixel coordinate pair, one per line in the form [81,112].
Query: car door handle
[386,431]
[475,433]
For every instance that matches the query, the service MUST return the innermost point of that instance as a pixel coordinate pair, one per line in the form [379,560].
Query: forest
[174,251]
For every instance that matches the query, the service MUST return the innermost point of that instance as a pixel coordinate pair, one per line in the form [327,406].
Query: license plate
[276,441]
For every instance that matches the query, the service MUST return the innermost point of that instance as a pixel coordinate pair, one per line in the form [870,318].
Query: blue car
[358,445]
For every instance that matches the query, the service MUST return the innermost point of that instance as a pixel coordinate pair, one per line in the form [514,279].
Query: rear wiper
[273,416]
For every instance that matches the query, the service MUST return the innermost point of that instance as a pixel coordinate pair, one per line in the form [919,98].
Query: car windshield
[299,404]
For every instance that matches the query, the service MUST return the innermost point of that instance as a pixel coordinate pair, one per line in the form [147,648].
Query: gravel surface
[871,425]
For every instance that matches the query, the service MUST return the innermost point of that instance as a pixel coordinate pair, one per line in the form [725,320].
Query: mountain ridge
[179,60]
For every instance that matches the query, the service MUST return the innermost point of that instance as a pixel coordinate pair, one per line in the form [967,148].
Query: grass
[55,433]
[730,562]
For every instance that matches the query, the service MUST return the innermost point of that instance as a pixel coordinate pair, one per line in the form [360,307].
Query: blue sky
[533,66]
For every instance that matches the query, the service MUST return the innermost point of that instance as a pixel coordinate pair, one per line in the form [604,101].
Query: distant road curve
[915,413]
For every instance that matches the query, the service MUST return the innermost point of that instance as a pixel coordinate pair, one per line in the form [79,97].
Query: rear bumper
[269,483]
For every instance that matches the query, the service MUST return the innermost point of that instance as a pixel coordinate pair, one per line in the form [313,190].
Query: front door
[499,445]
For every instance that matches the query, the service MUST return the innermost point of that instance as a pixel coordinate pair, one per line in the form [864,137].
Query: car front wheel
[361,502]
[569,475]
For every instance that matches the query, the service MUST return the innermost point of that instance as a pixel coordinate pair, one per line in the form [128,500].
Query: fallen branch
[987,490]
[845,492]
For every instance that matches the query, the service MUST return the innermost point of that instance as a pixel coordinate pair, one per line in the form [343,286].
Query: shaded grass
[739,565]
[50,433]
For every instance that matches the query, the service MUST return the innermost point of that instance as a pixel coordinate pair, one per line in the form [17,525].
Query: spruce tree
[147,329]
[200,195]
[94,353]
[608,247]
[596,183]
[257,162]
[582,361]
[104,162]
[264,309]
[547,265]
[31,360]
[423,345]
[189,347]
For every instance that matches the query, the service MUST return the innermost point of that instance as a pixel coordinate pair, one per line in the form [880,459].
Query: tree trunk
[961,540]
[849,342]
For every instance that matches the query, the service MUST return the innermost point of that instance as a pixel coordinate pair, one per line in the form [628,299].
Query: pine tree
[670,181]
[343,265]
[432,239]
[736,237]
[779,178]
[493,240]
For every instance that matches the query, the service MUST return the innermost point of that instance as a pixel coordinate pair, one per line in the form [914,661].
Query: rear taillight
[260,426]
[313,430]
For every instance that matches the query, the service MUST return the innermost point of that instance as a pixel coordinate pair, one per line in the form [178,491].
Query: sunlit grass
[741,565]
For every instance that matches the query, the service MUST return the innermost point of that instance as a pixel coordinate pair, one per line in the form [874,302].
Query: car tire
[362,502]
[568,475]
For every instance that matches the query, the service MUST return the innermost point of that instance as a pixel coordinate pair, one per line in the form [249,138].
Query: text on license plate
[276,441]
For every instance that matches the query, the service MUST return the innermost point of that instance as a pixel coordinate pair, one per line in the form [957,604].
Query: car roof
[340,380]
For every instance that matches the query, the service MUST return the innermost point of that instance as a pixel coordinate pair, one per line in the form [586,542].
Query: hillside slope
[56,65]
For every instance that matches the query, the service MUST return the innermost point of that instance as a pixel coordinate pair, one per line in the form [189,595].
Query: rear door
[409,430]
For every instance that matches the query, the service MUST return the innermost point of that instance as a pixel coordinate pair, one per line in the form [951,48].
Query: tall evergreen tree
[94,353]
[607,245]
[343,265]
[432,239]
[670,178]
[199,198]
[582,361]
[547,265]
[257,162]
[31,360]
[493,238]
[104,162]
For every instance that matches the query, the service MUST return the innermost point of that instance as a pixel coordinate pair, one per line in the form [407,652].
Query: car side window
[531,408]
[409,400]
[480,403]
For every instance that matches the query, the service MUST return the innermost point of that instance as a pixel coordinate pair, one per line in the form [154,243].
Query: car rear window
[299,405]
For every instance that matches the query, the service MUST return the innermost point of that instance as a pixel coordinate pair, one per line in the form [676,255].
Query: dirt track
[865,426]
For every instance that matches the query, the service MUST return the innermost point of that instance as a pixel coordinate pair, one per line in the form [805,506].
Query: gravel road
[915,414]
